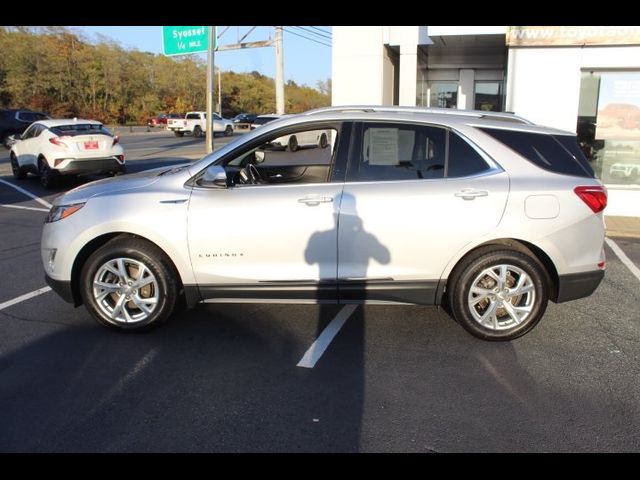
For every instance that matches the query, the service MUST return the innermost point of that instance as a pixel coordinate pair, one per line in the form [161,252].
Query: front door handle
[315,200]
[471,193]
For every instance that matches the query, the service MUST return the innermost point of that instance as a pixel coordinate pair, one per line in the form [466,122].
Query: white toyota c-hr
[482,211]
[50,148]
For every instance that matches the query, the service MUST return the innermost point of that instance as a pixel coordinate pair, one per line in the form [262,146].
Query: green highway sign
[184,40]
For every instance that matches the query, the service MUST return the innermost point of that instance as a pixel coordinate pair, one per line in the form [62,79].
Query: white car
[625,170]
[196,124]
[50,148]
[480,211]
[311,138]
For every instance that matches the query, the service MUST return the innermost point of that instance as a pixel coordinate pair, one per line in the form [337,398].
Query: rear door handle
[315,200]
[471,193]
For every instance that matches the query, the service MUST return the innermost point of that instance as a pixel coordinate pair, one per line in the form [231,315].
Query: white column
[466,89]
[408,74]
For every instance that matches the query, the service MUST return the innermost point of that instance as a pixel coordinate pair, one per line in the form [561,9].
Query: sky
[305,60]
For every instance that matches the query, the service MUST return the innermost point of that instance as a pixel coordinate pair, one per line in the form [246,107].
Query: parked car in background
[196,124]
[262,119]
[161,120]
[14,121]
[309,138]
[244,118]
[50,148]
[481,211]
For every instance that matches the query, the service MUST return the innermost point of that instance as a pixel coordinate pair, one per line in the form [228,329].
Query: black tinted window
[192,116]
[464,160]
[80,129]
[400,152]
[263,120]
[541,149]
[571,143]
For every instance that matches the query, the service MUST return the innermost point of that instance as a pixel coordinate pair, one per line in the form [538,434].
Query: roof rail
[406,109]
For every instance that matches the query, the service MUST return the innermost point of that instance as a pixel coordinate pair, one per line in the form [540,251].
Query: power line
[310,39]
[328,37]
[320,30]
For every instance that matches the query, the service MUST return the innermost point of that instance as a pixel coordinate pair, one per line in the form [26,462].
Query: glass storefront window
[443,94]
[609,125]
[488,96]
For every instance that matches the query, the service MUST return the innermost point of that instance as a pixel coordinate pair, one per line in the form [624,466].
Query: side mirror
[214,176]
[17,136]
[259,156]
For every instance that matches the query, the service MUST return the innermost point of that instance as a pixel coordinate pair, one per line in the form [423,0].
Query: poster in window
[383,146]
[619,107]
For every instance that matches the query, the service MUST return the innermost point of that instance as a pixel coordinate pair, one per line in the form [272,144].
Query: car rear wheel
[18,172]
[129,284]
[47,176]
[323,141]
[197,131]
[293,143]
[498,294]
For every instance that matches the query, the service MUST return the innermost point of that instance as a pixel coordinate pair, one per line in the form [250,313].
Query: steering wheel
[250,175]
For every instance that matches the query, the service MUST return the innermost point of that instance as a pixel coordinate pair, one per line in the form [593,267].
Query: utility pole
[219,109]
[210,83]
[279,72]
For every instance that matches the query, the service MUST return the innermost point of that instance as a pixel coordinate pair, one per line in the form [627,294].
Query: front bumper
[578,285]
[90,165]
[62,288]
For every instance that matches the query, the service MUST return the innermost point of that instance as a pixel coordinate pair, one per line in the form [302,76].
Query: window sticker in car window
[383,146]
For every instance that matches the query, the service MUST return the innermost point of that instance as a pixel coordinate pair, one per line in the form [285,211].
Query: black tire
[197,131]
[178,134]
[121,171]
[19,173]
[323,141]
[228,131]
[46,175]
[293,144]
[466,274]
[153,259]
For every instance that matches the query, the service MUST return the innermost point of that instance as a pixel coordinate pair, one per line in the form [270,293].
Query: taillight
[594,196]
[116,139]
[58,142]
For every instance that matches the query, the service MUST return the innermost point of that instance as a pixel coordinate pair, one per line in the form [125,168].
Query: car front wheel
[129,284]
[498,294]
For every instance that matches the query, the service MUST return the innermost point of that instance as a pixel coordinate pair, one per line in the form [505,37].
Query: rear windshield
[80,129]
[555,153]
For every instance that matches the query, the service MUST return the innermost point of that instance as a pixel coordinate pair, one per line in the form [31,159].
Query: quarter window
[546,151]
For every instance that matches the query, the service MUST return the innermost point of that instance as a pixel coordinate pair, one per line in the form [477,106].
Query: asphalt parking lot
[225,378]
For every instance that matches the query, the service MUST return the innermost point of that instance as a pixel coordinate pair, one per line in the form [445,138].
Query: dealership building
[581,79]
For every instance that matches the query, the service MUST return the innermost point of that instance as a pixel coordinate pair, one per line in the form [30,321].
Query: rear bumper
[62,288]
[578,285]
[91,165]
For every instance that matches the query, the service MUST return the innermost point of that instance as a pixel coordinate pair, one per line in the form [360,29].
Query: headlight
[58,212]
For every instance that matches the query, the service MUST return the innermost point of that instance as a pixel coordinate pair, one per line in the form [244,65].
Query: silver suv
[484,212]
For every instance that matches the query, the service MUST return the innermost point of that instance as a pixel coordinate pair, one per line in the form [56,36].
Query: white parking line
[26,208]
[317,348]
[623,257]
[27,193]
[24,297]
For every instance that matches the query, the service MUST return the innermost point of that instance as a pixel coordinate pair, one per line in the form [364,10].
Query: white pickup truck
[196,124]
